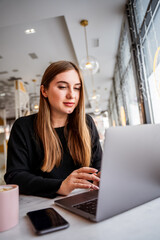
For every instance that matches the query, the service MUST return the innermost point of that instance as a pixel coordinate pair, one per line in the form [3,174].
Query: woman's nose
[70,93]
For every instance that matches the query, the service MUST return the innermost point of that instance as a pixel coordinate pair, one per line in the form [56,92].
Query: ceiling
[59,36]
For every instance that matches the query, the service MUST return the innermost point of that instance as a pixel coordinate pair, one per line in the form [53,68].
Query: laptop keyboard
[89,206]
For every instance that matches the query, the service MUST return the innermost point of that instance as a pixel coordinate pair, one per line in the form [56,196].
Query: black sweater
[26,154]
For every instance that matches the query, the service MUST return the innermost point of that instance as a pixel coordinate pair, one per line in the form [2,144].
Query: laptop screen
[130,168]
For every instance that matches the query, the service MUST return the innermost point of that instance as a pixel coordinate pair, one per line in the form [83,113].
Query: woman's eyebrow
[62,82]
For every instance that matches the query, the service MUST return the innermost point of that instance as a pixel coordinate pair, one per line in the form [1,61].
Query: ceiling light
[88,65]
[94,96]
[3,72]
[33,55]
[30,31]
[91,65]
[36,106]
[14,79]
[97,111]
[89,62]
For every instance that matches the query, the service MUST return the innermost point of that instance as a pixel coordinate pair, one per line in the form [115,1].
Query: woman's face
[63,93]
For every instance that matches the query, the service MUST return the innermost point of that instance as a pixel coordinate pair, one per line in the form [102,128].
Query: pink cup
[9,206]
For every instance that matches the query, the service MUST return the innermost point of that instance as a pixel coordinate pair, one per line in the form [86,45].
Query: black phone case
[47,220]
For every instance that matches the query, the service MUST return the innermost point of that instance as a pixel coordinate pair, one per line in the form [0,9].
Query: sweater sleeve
[20,166]
[96,146]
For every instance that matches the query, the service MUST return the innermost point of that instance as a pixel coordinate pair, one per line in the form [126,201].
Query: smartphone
[47,220]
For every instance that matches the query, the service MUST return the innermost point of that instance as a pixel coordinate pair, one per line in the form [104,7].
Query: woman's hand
[79,179]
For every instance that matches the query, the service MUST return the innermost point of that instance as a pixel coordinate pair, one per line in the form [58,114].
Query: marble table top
[141,223]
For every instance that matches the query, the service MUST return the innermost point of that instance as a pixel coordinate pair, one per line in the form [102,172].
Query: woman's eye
[62,87]
[78,89]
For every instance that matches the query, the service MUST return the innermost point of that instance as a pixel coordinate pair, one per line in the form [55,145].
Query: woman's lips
[69,104]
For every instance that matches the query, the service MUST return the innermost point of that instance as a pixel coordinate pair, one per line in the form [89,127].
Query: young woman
[57,150]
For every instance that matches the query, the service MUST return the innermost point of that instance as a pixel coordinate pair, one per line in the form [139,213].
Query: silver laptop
[130,174]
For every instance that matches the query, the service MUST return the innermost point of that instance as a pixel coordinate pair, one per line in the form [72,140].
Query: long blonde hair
[77,132]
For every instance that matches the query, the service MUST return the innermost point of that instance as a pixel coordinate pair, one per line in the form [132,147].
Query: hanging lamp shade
[94,97]
[89,64]
[97,111]
[34,104]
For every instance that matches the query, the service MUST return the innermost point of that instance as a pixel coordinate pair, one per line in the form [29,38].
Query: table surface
[139,223]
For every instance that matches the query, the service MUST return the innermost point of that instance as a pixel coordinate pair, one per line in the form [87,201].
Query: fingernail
[97,179]
[96,187]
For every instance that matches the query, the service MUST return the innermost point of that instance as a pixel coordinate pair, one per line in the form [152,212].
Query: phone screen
[47,220]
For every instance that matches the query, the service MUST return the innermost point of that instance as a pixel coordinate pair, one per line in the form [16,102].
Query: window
[144,19]
[125,83]
[151,56]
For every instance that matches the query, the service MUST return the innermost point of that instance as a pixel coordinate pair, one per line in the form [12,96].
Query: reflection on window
[123,116]
[113,110]
[151,55]
[113,123]
[140,10]
[124,52]
[125,86]
[151,43]
[118,92]
[154,86]
[102,123]
[130,96]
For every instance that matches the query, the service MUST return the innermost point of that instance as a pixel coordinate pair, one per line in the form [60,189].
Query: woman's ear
[43,91]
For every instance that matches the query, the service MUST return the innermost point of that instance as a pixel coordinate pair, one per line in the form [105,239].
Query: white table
[139,223]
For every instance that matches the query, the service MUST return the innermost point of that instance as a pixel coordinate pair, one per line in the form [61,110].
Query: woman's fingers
[87,176]
[87,170]
[85,185]
[87,173]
